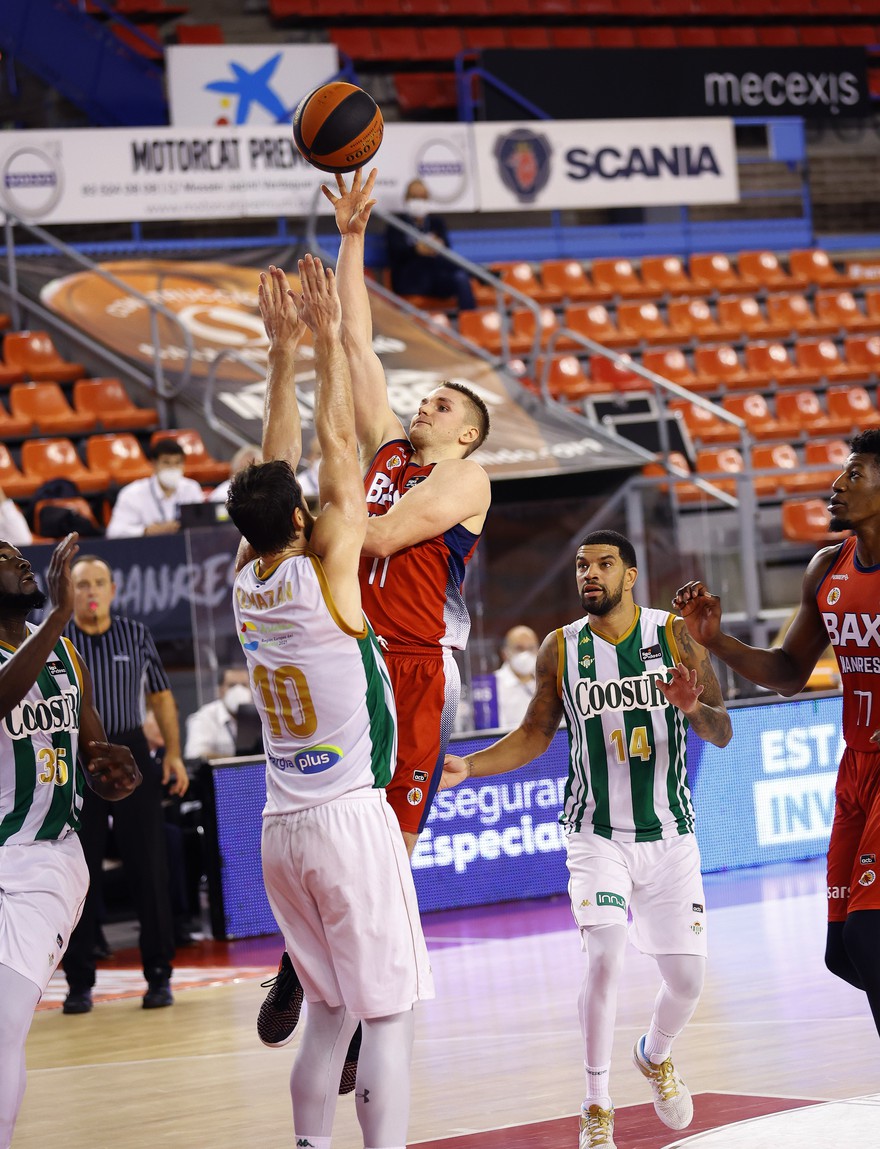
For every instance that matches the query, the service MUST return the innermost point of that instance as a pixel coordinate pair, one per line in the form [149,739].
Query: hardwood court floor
[498,1049]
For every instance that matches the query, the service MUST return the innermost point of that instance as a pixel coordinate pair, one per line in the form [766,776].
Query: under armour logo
[365,1096]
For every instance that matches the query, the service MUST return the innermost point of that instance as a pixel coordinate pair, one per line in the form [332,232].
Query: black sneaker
[349,1069]
[279,1013]
[158,994]
[78,1001]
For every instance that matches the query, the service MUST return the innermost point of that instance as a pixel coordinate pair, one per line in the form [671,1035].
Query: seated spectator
[211,732]
[515,679]
[151,506]
[13,524]
[416,269]
[242,458]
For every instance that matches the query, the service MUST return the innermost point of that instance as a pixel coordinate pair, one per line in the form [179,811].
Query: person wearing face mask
[212,730]
[150,506]
[416,268]
[515,679]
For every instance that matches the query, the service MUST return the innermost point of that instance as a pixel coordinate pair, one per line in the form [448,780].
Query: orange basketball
[338,127]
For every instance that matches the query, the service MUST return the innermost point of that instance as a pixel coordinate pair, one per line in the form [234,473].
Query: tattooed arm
[694,689]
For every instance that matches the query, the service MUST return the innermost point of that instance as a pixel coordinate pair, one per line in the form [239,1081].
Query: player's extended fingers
[334,199]
[371,180]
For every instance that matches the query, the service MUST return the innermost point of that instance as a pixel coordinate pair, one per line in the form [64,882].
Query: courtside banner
[220,172]
[605,163]
[243,83]
[644,82]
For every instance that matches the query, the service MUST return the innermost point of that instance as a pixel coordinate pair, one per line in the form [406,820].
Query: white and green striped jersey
[627,776]
[322,689]
[40,785]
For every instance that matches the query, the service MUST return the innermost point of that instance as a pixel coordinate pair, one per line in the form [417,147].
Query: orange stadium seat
[737,36]
[484,327]
[853,405]
[643,323]
[722,366]
[771,363]
[872,306]
[618,277]
[10,374]
[523,325]
[120,455]
[672,364]
[718,466]
[778,36]
[863,351]
[740,317]
[13,427]
[697,37]
[692,320]
[823,355]
[704,426]
[107,401]
[566,281]
[199,463]
[616,376]
[488,36]
[804,409]
[814,266]
[665,275]
[761,270]
[521,276]
[199,34]
[781,458]
[34,353]
[714,272]
[418,91]
[755,411]
[592,321]
[790,313]
[358,43]
[44,459]
[47,409]
[528,36]
[840,311]
[441,43]
[676,461]
[808,521]
[12,481]
[831,454]
[566,379]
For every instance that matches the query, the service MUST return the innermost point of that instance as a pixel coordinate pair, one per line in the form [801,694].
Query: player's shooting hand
[700,609]
[318,306]
[352,205]
[278,310]
[682,689]
[112,769]
[455,770]
[59,584]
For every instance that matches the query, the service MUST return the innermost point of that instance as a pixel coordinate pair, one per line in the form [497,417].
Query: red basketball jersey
[413,598]
[848,598]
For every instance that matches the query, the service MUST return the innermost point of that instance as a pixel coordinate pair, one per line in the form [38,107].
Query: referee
[125,667]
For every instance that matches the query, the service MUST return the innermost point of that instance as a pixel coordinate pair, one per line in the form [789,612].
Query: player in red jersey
[840,602]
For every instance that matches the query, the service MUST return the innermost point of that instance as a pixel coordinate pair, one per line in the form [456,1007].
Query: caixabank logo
[31,181]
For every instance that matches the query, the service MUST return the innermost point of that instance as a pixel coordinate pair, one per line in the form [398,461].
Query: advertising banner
[641,83]
[243,83]
[218,172]
[605,163]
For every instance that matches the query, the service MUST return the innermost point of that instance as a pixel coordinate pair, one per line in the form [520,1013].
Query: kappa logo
[647,653]
[414,796]
[523,159]
[868,878]
[304,1143]
[604,898]
[420,775]
[864,860]
[586,902]
[833,595]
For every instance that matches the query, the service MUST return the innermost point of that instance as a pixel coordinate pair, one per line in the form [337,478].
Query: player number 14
[639,746]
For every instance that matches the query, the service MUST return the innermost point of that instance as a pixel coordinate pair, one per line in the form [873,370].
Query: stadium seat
[521,276]
[592,321]
[441,43]
[484,327]
[34,353]
[714,464]
[762,271]
[120,455]
[14,427]
[778,36]
[616,376]
[704,426]
[107,401]
[80,505]
[771,363]
[691,320]
[528,36]
[576,36]
[713,272]
[804,409]
[643,323]
[823,356]
[523,325]
[741,317]
[10,375]
[566,379]
[358,43]
[722,366]
[738,36]
[616,37]
[565,281]
[47,409]
[840,311]
[808,521]
[199,463]
[781,458]
[665,275]
[755,411]
[618,278]
[852,405]
[863,351]
[697,37]
[487,36]
[830,454]
[672,364]
[818,35]
[199,34]
[790,313]
[656,36]
[12,481]
[872,307]
[44,459]
[676,461]
[814,266]
[425,91]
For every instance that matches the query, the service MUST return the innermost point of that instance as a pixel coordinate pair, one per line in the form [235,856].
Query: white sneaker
[672,1098]
[597,1128]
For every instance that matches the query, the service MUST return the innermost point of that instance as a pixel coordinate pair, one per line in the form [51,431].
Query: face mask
[419,208]
[236,697]
[169,478]
[523,663]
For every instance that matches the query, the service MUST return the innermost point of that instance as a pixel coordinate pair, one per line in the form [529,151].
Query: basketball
[338,127]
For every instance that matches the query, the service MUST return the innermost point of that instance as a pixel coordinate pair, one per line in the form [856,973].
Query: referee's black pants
[139,830]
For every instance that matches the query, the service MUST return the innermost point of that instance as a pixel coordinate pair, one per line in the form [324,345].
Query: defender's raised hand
[278,310]
[701,611]
[318,306]
[352,205]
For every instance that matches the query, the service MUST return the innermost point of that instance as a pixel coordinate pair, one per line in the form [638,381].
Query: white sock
[597,1085]
[658,1045]
[307,1141]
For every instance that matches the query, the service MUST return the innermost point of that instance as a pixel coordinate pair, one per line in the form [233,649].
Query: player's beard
[610,599]
[839,524]
[18,602]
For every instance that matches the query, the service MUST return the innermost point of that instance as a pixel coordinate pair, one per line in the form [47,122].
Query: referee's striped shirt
[124,665]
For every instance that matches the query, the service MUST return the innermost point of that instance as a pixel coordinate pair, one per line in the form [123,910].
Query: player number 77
[869,698]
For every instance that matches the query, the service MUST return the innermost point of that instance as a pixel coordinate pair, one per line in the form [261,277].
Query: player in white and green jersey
[47,721]
[629,681]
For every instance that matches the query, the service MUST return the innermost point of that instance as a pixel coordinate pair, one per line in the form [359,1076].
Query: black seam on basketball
[358,108]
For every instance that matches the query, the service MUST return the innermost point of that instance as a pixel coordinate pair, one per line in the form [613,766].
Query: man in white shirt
[212,730]
[242,458]
[151,506]
[13,524]
[515,679]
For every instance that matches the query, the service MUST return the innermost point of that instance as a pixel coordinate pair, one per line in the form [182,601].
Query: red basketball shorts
[426,688]
[854,849]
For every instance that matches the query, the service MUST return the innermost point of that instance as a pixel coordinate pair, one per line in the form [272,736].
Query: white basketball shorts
[339,883]
[42,889]
[659,882]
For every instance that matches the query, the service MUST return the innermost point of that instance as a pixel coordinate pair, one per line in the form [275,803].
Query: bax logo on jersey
[315,760]
[637,693]
[856,629]
[48,715]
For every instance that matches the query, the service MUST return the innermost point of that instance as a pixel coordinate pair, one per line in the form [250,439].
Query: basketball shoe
[672,1098]
[597,1128]
[279,1013]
